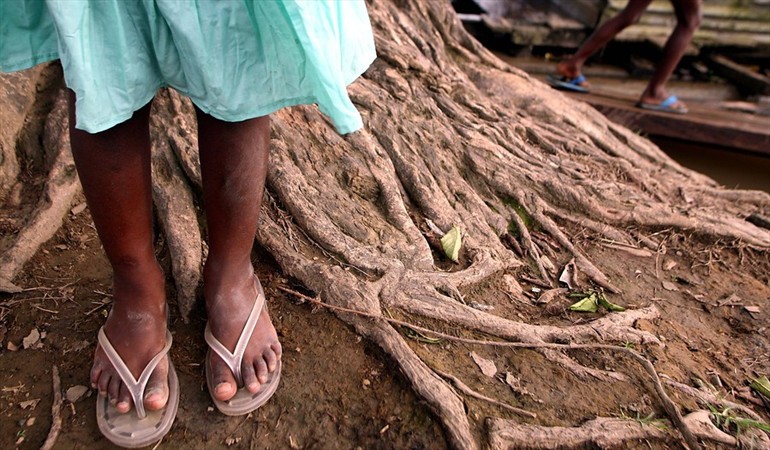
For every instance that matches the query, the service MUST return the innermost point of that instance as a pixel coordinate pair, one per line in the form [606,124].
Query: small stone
[669,286]
[487,366]
[30,421]
[12,347]
[366,383]
[19,440]
[75,393]
[32,338]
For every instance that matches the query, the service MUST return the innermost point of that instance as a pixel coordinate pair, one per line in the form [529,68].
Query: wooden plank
[704,125]
[748,81]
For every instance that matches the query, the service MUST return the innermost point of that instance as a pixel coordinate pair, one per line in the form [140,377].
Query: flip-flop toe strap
[135,386]
[234,359]
[669,101]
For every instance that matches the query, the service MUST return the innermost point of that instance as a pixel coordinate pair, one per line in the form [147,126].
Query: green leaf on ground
[761,385]
[588,304]
[609,305]
[451,243]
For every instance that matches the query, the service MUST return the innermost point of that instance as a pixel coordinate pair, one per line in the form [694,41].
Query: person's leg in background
[571,68]
[688,16]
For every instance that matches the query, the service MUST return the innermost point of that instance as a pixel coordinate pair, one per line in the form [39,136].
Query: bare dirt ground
[338,391]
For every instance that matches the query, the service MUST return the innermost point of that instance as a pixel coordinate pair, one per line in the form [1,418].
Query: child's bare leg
[688,17]
[234,158]
[601,36]
[114,169]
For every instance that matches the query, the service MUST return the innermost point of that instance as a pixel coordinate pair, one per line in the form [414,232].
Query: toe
[250,378]
[271,359]
[96,373]
[124,400]
[103,384]
[156,393]
[261,366]
[113,389]
[277,349]
[224,383]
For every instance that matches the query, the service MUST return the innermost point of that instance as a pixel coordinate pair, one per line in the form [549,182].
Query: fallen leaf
[761,385]
[12,347]
[569,274]
[549,295]
[75,393]
[487,366]
[78,209]
[31,404]
[609,305]
[32,338]
[670,264]
[588,304]
[451,243]
[669,286]
[752,309]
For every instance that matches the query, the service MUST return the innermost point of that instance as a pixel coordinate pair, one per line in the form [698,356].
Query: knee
[692,20]
[627,19]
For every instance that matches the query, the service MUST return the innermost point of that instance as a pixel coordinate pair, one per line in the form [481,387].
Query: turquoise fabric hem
[236,59]
[27,63]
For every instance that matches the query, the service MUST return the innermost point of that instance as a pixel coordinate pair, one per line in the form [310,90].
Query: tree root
[56,420]
[468,391]
[176,209]
[602,432]
[61,188]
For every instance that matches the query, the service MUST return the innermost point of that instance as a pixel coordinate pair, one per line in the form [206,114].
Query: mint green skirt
[236,59]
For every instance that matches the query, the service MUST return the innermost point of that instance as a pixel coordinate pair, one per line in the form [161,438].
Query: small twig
[45,310]
[668,405]
[468,391]
[155,447]
[55,411]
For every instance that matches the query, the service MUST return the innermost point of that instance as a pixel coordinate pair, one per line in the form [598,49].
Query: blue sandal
[568,84]
[666,105]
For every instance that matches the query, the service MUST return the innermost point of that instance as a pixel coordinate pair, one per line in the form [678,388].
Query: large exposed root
[174,199]
[60,189]
[602,432]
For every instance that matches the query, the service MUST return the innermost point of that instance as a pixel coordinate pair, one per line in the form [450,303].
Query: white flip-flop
[243,402]
[138,427]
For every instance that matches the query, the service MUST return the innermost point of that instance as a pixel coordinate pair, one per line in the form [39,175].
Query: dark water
[727,166]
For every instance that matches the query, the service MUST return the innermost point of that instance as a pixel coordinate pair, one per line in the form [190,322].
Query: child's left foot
[228,310]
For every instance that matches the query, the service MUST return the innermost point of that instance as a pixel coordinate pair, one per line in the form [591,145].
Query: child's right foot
[136,328]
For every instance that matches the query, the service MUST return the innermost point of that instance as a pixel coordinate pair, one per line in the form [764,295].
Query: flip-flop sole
[665,109]
[565,85]
[127,430]
[244,402]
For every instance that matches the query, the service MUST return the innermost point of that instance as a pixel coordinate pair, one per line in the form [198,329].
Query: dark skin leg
[601,36]
[234,158]
[114,169]
[688,18]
